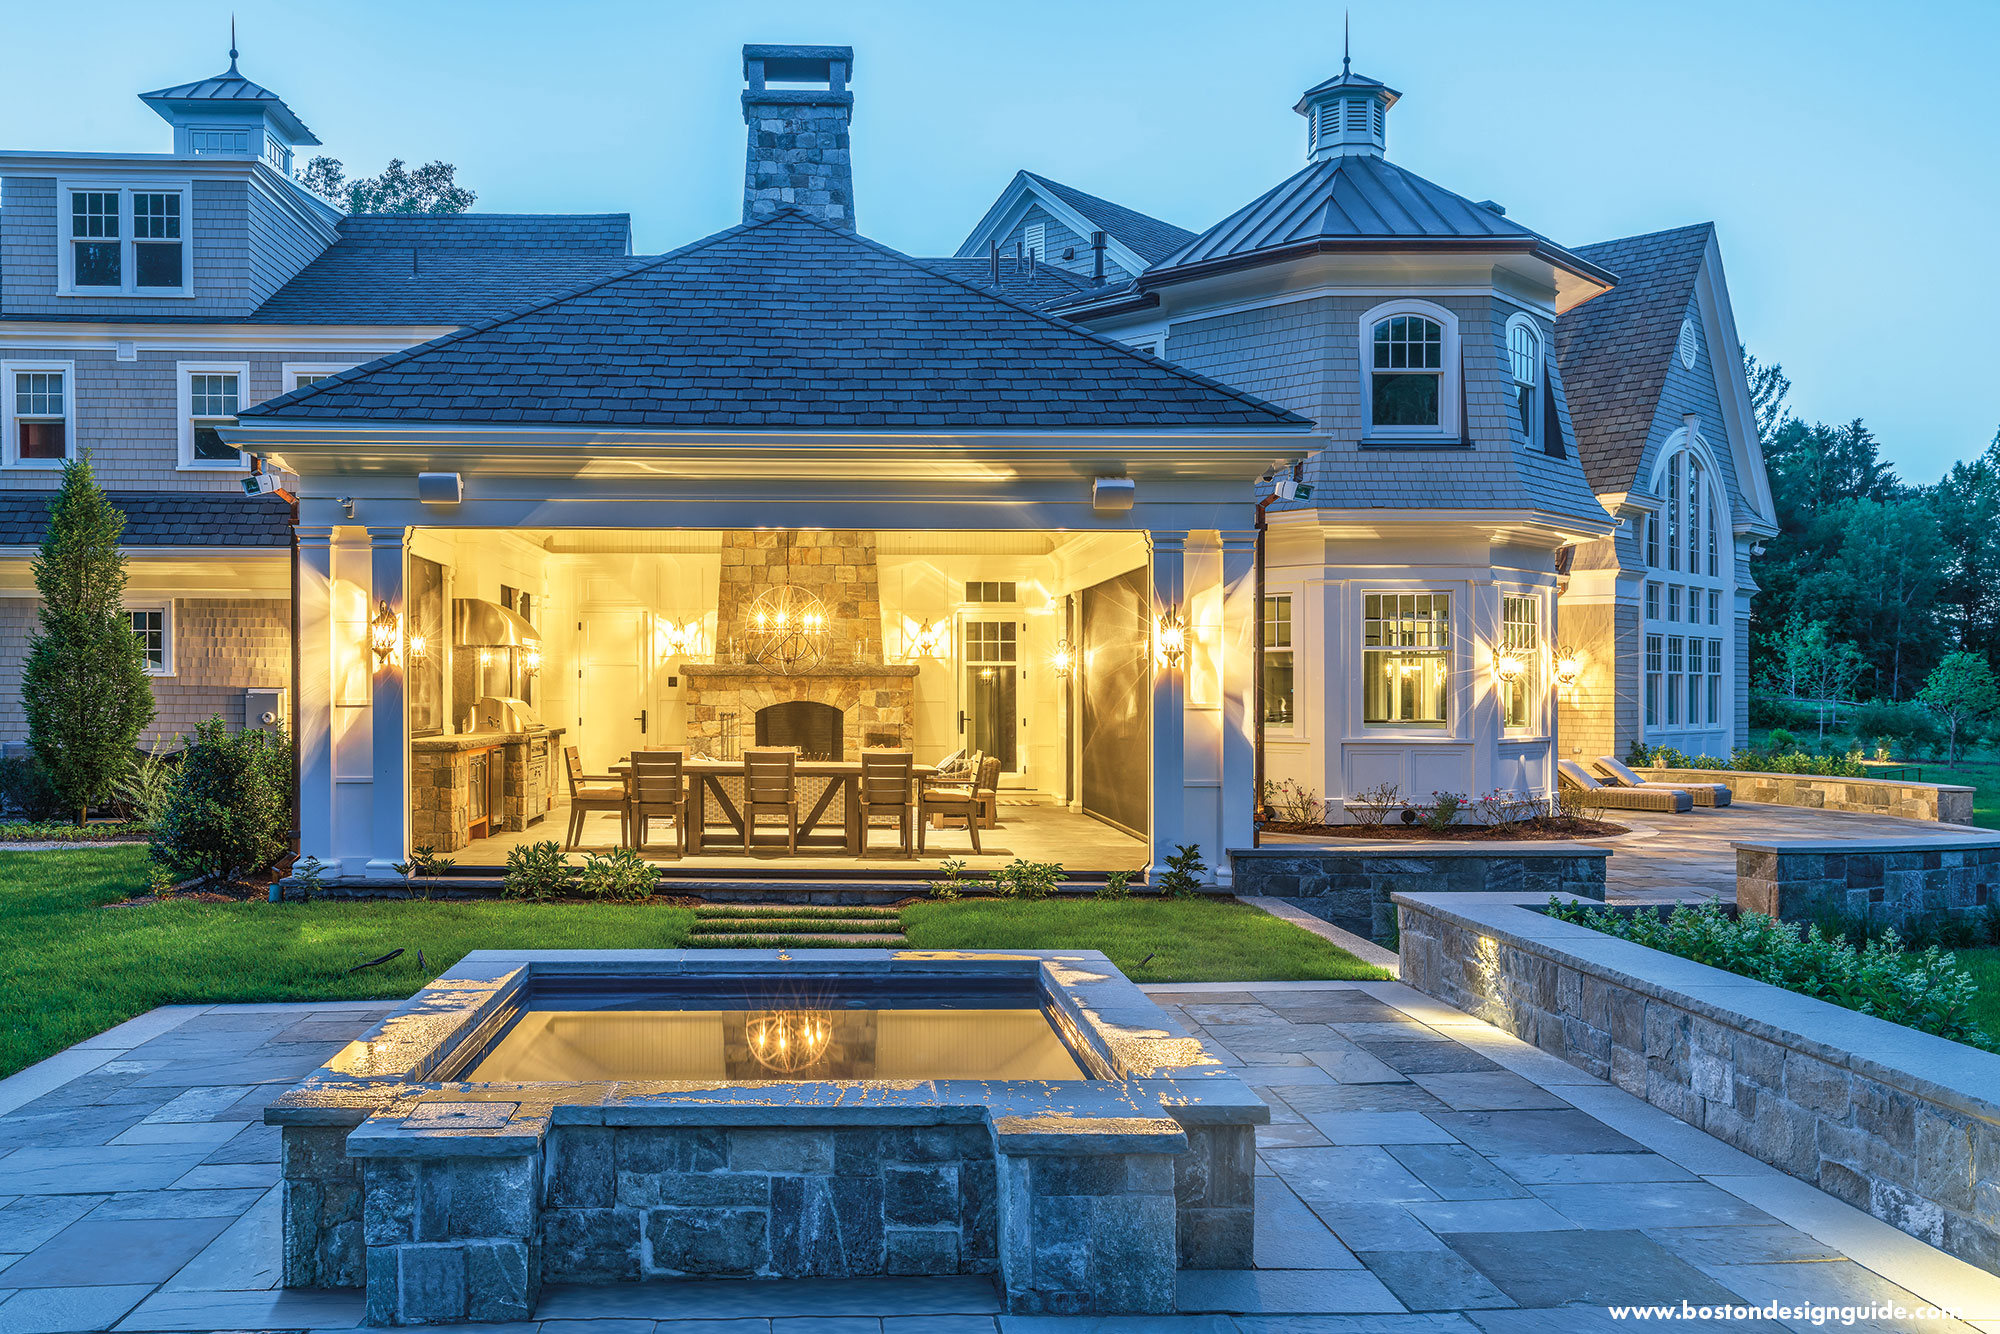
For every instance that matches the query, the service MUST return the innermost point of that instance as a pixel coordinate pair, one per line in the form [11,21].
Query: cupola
[1347,115]
[229,116]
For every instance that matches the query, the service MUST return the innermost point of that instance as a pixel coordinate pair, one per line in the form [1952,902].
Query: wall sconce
[384,632]
[1507,667]
[1569,665]
[531,661]
[671,639]
[420,646]
[1173,638]
[1064,661]
[931,641]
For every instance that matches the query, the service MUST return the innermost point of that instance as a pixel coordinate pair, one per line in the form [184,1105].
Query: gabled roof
[231,87]
[780,324]
[1040,286]
[453,268]
[154,519]
[1149,236]
[1362,199]
[1615,350]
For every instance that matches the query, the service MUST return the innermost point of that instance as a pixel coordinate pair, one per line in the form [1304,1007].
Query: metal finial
[1346,40]
[232,44]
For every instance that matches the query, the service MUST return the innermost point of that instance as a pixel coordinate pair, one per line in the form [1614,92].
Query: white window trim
[1537,672]
[292,370]
[10,451]
[1035,240]
[125,189]
[1448,429]
[1457,658]
[166,610]
[184,406]
[1694,627]
[1295,729]
[1533,432]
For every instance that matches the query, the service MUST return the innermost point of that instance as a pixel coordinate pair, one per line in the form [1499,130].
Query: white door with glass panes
[989,677]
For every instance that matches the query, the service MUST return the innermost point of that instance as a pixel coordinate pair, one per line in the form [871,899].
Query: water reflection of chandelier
[787,628]
[789,1040]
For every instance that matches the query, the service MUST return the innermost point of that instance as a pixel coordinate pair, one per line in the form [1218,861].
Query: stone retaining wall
[1943,802]
[1886,883]
[1351,885]
[1899,1123]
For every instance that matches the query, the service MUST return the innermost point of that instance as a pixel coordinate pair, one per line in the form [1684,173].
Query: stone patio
[1423,1173]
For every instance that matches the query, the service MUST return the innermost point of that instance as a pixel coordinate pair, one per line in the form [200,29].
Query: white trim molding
[127,237]
[1450,375]
[10,450]
[165,608]
[184,411]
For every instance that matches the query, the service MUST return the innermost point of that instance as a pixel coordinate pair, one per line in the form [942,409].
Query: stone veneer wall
[1943,802]
[836,566]
[1885,883]
[872,701]
[1881,1116]
[1352,886]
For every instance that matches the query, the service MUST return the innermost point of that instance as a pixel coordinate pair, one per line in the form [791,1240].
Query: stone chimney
[797,154]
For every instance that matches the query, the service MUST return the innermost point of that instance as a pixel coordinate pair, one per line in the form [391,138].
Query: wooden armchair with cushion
[1673,800]
[1704,794]
[953,796]
[593,792]
[884,789]
[986,791]
[771,786]
[659,792]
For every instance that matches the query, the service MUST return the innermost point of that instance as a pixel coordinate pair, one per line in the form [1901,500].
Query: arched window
[1689,599]
[1524,356]
[1409,366]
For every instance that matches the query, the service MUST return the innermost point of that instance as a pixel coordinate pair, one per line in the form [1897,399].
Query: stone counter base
[1890,1120]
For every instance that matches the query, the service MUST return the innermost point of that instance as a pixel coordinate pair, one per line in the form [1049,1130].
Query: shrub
[954,881]
[1925,990]
[1375,804]
[1903,724]
[537,871]
[1782,740]
[1778,711]
[230,814]
[1027,880]
[26,790]
[147,788]
[621,875]
[1117,885]
[1579,803]
[1443,812]
[308,874]
[1185,872]
[1501,809]
[63,831]
[1290,802]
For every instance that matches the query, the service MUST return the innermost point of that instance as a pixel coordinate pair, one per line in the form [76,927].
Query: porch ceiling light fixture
[1064,661]
[1569,665]
[787,629]
[1173,638]
[385,631]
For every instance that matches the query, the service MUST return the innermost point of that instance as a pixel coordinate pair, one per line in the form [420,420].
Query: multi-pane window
[1673,602]
[1652,680]
[1697,490]
[149,624]
[41,416]
[976,590]
[1278,681]
[1714,607]
[1406,372]
[207,143]
[1674,511]
[1652,522]
[1406,658]
[1521,641]
[1675,664]
[1714,677]
[277,155]
[1685,535]
[1652,602]
[1524,352]
[212,398]
[124,240]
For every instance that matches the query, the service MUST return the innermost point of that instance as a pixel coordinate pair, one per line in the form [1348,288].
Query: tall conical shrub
[84,687]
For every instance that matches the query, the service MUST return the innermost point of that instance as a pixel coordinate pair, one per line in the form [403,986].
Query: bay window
[1406,659]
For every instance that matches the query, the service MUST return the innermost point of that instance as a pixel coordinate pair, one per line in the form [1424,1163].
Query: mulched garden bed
[1527,831]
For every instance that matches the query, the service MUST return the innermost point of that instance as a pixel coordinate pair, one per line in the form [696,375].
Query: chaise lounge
[1673,800]
[1621,777]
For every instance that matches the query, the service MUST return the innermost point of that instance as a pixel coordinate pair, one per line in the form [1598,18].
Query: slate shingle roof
[1045,285]
[1151,238]
[450,268]
[779,324]
[1615,350]
[157,519]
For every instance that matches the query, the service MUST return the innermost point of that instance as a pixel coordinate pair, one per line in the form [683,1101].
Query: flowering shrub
[1443,811]
[1926,990]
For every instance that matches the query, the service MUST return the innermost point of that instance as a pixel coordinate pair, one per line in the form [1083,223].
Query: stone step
[793,926]
[759,911]
[780,940]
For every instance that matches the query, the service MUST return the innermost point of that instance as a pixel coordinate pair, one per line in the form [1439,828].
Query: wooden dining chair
[986,791]
[955,798]
[659,791]
[884,789]
[593,792]
[771,784]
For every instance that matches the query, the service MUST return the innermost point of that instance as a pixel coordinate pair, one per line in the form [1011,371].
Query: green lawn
[71,968]
[1984,965]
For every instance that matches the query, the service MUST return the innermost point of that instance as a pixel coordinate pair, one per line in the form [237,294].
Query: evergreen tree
[84,687]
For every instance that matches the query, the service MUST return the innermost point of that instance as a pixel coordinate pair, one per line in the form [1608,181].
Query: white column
[1169,828]
[1238,665]
[312,711]
[388,840]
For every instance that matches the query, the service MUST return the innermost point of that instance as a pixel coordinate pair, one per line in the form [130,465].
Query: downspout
[1257,672]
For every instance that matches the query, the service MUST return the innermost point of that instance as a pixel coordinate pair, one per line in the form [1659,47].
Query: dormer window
[128,240]
[1409,362]
[1524,355]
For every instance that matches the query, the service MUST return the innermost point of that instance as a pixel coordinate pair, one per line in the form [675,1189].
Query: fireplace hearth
[814,728]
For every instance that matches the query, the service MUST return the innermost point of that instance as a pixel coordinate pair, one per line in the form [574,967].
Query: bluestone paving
[1490,1174]
[1829,1282]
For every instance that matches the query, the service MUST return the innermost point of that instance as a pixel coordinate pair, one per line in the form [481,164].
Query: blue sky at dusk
[1846,150]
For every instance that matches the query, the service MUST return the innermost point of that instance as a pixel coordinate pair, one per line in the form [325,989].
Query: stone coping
[1441,848]
[764,669]
[1719,775]
[1843,846]
[1153,1065]
[1935,1069]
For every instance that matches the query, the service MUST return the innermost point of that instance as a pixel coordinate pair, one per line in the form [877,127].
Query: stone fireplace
[724,701]
[814,728]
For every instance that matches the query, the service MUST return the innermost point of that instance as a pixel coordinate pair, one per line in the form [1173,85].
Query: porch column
[1237,663]
[312,711]
[1169,804]
[388,837]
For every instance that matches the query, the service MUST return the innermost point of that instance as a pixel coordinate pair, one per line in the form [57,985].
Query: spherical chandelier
[786,629]
[785,1041]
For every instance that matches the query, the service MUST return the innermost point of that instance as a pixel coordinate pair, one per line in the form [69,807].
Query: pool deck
[1418,1162]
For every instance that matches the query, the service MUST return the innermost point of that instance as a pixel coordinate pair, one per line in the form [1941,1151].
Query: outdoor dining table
[705,777]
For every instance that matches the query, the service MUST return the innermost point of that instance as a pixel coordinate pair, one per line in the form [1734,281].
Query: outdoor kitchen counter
[481,740]
[446,814]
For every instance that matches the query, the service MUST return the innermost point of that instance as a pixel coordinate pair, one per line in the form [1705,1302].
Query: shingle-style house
[540,505]
[1523,534]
